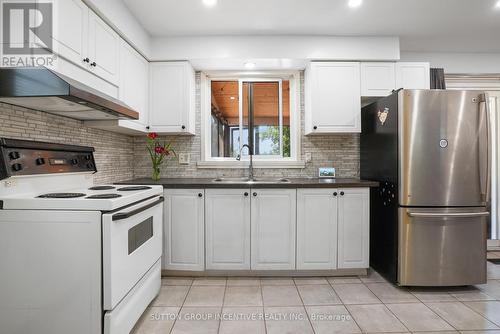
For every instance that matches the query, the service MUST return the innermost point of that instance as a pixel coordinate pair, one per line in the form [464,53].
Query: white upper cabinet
[70,34]
[227,219]
[378,79]
[134,83]
[413,75]
[353,228]
[332,97]
[273,220]
[184,230]
[172,98]
[104,49]
[317,229]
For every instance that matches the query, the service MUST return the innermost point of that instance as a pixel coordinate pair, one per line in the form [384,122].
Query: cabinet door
[333,98]
[134,81]
[70,34]
[184,230]
[227,229]
[172,98]
[377,79]
[413,75]
[273,224]
[353,228]
[104,49]
[317,229]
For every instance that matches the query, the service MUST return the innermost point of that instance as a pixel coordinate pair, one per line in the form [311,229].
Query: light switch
[183,158]
[308,157]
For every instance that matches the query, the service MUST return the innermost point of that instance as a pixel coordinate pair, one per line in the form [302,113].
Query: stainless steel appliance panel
[442,246]
[443,147]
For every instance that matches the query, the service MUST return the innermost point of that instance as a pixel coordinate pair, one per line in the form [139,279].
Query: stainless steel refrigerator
[430,151]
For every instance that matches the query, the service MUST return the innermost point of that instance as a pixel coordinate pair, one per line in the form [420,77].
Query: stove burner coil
[62,195]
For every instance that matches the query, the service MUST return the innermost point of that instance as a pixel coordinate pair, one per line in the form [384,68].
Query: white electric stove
[75,257]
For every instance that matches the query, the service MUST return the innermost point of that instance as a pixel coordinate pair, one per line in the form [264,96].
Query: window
[259,112]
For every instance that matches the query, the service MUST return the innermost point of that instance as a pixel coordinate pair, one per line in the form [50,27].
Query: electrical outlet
[308,157]
[183,158]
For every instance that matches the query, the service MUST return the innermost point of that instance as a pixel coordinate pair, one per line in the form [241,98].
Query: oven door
[132,244]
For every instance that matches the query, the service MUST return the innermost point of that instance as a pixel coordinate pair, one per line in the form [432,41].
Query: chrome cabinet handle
[451,214]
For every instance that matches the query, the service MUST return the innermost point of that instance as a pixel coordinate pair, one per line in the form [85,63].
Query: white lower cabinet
[184,246]
[227,219]
[333,228]
[273,225]
[317,228]
[353,228]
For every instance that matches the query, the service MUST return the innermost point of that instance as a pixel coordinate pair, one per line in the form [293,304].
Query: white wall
[117,15]
[275,47]
[458,63]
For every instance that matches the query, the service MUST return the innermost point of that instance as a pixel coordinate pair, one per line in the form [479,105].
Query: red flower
[160,149]
[152,135]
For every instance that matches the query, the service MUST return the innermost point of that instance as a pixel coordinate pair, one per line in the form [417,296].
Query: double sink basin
[245,180]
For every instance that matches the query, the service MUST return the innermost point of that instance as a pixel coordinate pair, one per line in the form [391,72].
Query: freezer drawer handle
[125,215]
[455,215]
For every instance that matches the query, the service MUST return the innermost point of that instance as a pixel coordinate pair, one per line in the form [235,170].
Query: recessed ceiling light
[209,3]
[355,3]
[249,65]
[232,98]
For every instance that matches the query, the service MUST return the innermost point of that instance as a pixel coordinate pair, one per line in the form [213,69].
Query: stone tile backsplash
[113,152]
[120,157]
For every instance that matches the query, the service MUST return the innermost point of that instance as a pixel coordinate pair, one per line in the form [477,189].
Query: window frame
[260,161]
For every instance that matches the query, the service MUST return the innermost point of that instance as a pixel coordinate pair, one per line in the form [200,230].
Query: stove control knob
[40,161]
[17,167]
[14,155]
[74,161]
[88,157]
[90,165]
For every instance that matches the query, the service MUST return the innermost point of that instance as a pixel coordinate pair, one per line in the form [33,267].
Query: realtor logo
[27,28]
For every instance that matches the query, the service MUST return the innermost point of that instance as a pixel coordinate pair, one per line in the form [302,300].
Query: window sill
[256,164]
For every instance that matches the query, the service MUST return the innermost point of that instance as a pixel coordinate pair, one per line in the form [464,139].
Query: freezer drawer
[442,246]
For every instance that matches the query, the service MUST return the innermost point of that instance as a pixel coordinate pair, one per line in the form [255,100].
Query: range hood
[42,89]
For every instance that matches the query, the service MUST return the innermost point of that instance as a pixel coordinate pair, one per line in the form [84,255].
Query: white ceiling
[422,25]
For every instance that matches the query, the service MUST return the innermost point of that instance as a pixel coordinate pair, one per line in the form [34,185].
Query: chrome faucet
[250,167]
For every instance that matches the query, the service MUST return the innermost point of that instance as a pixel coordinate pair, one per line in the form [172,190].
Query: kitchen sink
[237,180]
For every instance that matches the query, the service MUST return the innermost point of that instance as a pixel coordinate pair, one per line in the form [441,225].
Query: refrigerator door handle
[443,215]
[486,179]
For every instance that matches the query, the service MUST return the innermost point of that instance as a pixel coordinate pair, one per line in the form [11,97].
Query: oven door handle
[451,214]
[128,214]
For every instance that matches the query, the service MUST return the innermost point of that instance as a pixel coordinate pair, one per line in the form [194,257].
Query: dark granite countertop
[294,183]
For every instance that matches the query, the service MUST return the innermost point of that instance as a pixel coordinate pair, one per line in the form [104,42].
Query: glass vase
[156,173]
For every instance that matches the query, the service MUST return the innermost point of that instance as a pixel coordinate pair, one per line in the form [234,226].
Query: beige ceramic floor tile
[176,280]
[470,294]
[205,296]
[489,309]
[171,296]
[480,332]
[318,295]
[389,293]
[355,294]
[372,277]
[375,318]
[276,281]
[242,320]
[432,294]
[332,320]
[491,288]
[287,320]
[460,316]
[281,295]
[343,280]
[197,320]
[219,281]
[156,320]
[310,280]
[243,281]
[243,296]
[418,317]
